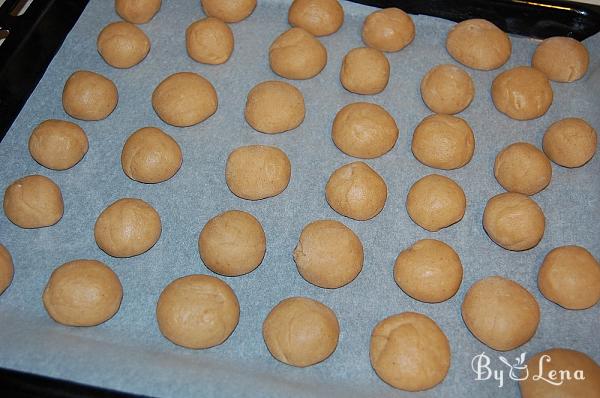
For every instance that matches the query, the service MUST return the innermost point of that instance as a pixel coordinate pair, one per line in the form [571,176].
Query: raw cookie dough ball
[365,71]
[429,271]
[229,11]
[570,277]
[501,313]
[328,254]
[435,202]
[197,311]
[318,17]
[522,93]
[443,141]
[562,59]
[356,191]
[522,168]
[570,142]
[274,107]
[89,96]
[123,45]
[301,332]
[447,89]
[390,29]
[150,156]
[296,54]
[7,269]
[478,44]
[58,144]
[514,221]
[82,293]
[127,227]
[257,171]
[137,11]
[33,202]
[232,243]
[410,352]
[209,41]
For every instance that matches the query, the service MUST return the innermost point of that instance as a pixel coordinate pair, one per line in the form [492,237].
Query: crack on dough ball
[562,59]
[122,44]
[318,17]
[296,54]
[58,144]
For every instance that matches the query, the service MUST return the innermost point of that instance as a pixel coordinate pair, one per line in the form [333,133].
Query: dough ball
[301,332]
[257,172]
[232,243]
[444,142]
[435,202]
[82,293]
[137,11]
[209,41]
[501,313]
[562,59]
[410,352]
[522,168]
[429,271]
[197,311]
[447,89]
[123,45]
[150,156]
[7,269]
[89,96]
[478,44]
[365,71]
[390,29]
[274,107]
[570,277]
[296,54]
[356,191]
[328,254]
[33,202]
[364,130]
[318,17]
[522,93]
[514,221]
[127,227]
[229,11]
[570,142]
[58,144]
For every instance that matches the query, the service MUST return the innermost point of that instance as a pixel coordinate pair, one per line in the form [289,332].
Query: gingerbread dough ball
[390,29]
[365,71]
[229,11]
[570,142]
[409,351]
[137,11]
[197,311]
[209,41]
[127,227]
[58,144]
[33,202]
[82,293]
[89,96]
[522,168]
[570,277]
[478,44]
[447,89]
[318,17]
[232,243]
[301,332]
[7,269]
[296,54]
[274,107]
[356,191]
[562,59]
[122,44]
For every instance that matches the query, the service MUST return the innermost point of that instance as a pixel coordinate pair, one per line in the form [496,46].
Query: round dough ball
[229,11]
[122,44]
[522,168]
[447,89]
[522,93]
[570,277]
[501,313]
[570,142]
[562,59]
[435,202]
[365,71]
[429,271]
[514,221]
[301,332]
[364,130]
[257,172]
[89,96]
[127,227]
[197,311]
[410,352]
[82,293]
[274,107]
[232,243]
[296,54]
[209,41]
[151,156]
[137,11]
[33,202]
[478,44]
[356,191]
[318,17]
[390,29]
[7,269]
[444,142]
[58,144]
[328,254]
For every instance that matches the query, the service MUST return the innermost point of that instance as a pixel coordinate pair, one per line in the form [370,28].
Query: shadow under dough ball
[229,11]
[318,17]
[562,59]
[570,142]
[209,41]
[89,96]
[447,89]
[34,201]
[58,144]
[522,168]
[137,11]
[122,44]
[274,107]
[365,71]
[7,269]
[389,30]
[296,54]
